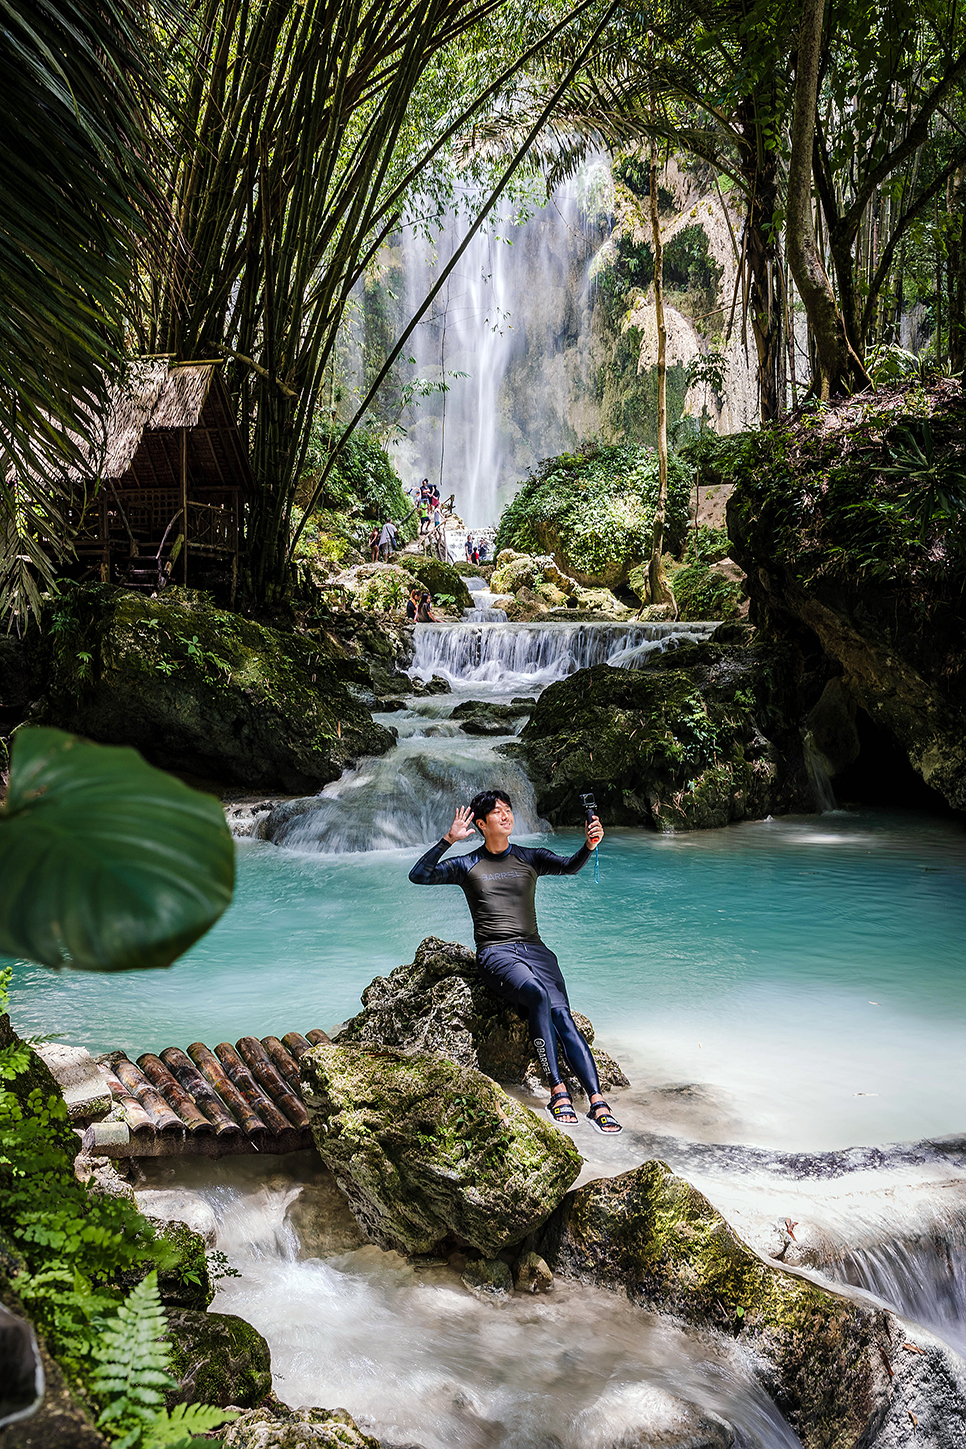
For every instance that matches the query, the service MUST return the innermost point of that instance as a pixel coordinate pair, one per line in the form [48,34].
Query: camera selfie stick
[590,810]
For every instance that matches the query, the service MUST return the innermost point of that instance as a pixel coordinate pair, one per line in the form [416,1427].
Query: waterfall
[496,420]
[514,657]
[819,774]
[399,800]
[924,1279]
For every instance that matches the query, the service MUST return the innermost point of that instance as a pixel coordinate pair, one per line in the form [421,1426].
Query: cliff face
[850,524]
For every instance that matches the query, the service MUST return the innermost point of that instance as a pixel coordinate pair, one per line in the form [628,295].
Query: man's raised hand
[462,827]
[594,832]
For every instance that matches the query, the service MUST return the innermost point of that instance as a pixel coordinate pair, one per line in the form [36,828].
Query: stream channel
[777,991]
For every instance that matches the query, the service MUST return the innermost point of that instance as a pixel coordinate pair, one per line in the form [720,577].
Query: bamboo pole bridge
[235,1099]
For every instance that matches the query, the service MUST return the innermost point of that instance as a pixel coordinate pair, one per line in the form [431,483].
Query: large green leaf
[106,863]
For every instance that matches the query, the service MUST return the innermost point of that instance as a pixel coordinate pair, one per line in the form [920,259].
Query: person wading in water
[499,881]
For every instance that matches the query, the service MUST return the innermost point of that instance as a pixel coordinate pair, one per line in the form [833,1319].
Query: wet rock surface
[204,692]
[278,1427]
[217,1358]
[439,1003]
[843,1372]
[479,717]
[427,1151]
[705,735]
[843,562]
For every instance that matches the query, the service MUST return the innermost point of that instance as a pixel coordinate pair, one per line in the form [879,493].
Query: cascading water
[485,611]
[417,1359]
[407,797]
[509,657]
[925,1280]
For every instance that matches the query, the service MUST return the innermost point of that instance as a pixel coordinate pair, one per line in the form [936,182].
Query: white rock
[182,1206]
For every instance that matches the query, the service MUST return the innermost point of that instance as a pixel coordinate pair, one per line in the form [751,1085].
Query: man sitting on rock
[499,881]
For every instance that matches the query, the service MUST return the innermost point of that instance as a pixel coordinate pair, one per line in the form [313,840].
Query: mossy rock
[276,1426]
[481,717]
[202,691]
[217,1358]
[183,1278]
[832,1363]
[438,577]
[703,736]
[428,1152]
[593,512]
[440,1003]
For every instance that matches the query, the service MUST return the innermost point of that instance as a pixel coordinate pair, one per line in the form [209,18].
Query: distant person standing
[469,548]
[374,543]
[387,540]
[483,550]
[423,514]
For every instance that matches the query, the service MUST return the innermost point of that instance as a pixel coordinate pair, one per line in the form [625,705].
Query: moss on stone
[426,1150]
[217,1358]
[653,1234]
[201,690]
[438,577]
[276,1426]
[704,736]
[594,512]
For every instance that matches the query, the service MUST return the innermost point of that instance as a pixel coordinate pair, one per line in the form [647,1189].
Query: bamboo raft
[235,1099]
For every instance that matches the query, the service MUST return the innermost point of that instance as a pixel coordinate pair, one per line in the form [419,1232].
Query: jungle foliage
[596,509]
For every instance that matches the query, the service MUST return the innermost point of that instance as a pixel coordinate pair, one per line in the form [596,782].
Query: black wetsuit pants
[527,974]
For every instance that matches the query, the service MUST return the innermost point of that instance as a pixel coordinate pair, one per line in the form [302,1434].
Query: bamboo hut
[164,500]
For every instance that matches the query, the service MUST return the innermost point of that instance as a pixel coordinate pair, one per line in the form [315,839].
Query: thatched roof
[144,425]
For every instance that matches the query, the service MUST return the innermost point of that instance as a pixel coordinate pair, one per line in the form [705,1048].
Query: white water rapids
[421,1362]
[407,797]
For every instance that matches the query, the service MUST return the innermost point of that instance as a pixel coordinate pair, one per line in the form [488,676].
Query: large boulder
[844,1373]
[217,1358]
[202,691]
[439,578]
[704,735]
[439,1003]
[430,1153]
[593,512]
[840,522]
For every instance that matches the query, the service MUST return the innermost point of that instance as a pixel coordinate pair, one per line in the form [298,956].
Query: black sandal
[561,1108]
[603,1120]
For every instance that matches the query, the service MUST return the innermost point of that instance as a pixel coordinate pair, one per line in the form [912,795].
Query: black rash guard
[499,889]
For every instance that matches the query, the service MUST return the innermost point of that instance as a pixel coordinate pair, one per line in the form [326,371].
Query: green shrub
[701,593]
[363,488]
[595,510]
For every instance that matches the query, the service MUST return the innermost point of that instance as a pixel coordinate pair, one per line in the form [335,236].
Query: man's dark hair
[485,801]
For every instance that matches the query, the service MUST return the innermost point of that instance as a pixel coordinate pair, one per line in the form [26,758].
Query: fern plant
[132,1360]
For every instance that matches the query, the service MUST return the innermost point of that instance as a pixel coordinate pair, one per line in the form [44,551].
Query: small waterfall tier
[485,610]
[527,656]
[402,799]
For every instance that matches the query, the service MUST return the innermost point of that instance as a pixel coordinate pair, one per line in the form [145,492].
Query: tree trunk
[838,367]
[658,588]
[759,166]
[957,273]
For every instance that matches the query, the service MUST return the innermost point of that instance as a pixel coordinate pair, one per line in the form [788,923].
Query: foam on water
[416,1358]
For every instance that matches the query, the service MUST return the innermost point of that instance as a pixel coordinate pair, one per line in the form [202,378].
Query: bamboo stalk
[161,1115]
[134,1114]
[241,1078]
[283,1059]
[173,1093]
[253,1053]
[296,1044]
[200,1091]
[211,1068]
[318,1037]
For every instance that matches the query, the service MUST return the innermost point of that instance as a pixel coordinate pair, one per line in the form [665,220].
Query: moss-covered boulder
[483,717]
[203,691]
[594,512]
[276,1426]
[441,579]
[439,1003]
[217,1358]
[835,1366]
[428,1152]
[705,735]
[847,523]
